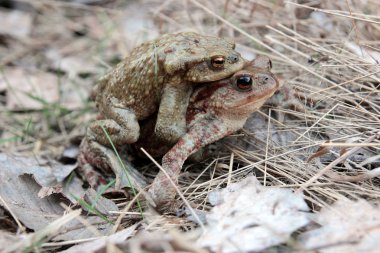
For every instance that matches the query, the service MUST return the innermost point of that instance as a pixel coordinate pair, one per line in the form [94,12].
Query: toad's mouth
[253,99]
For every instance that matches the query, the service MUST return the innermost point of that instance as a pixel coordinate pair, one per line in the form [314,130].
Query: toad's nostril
[233,58]
[263,79]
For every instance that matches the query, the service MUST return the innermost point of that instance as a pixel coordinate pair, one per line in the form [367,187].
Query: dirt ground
[302,176]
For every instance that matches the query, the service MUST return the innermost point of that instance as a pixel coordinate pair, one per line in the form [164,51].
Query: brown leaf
[252,216]
[21,192]
[29,89]
[100,203]
[320,152]
[349,140]
[346,226]
[15,23]
[100,245]
[7,238]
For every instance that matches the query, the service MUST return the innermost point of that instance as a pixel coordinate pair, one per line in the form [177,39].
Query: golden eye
[217,62]
[244,83]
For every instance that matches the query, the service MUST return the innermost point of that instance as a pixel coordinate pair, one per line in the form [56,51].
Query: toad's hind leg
[94,154]
[104,135]
[121,127]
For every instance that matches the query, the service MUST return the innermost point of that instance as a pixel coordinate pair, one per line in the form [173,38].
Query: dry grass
[328,63]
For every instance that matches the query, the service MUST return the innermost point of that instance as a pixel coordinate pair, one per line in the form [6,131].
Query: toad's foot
[108,132]
[163,192]
[95,155]
[164,199]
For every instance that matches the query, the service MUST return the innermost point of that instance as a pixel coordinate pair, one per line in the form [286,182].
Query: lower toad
[215,111]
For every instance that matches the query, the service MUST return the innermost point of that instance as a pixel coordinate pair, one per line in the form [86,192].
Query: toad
[158,75]
[215,111]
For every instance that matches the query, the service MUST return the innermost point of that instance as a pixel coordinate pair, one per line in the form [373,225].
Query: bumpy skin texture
[215,110]
[157,75]
[160,74]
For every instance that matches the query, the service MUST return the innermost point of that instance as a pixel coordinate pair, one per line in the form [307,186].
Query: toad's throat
[252,100]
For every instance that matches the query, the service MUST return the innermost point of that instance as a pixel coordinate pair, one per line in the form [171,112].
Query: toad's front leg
[199,135]
[171,118]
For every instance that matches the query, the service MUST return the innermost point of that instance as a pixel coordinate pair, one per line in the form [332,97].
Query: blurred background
[325,53]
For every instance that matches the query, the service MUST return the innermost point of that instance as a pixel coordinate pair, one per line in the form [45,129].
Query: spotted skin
[215,110]
[158,75]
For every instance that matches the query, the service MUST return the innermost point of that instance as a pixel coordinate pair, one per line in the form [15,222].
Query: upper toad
[158,75]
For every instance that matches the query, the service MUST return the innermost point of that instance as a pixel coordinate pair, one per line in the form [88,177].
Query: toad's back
[137,81]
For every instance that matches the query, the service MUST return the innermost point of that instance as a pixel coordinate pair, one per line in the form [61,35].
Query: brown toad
[215,110]
[157,75]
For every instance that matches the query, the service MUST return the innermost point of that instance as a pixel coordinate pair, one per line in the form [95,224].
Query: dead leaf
[20,191]
[250,217]
[366,175]
[375,160]
[101,204]
[322,150]
[29,89]
[157,241]
[71,152]
[29,240]
[366,54]
[100,245]
[322,21]
[45,173]
[70,64]
[69,227]
[134,25]
[74,96]
[21,195]
[20,187]
[347,226]
[75,230]
[7,238]
[15,23]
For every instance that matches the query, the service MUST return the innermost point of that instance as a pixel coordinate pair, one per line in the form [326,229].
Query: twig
[362,177]
[330,144]
[267,147]
[21,227]
[333,13]
[333,163]
[230,168]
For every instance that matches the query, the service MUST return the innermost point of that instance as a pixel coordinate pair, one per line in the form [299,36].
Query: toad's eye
[244,83]
[217,62]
